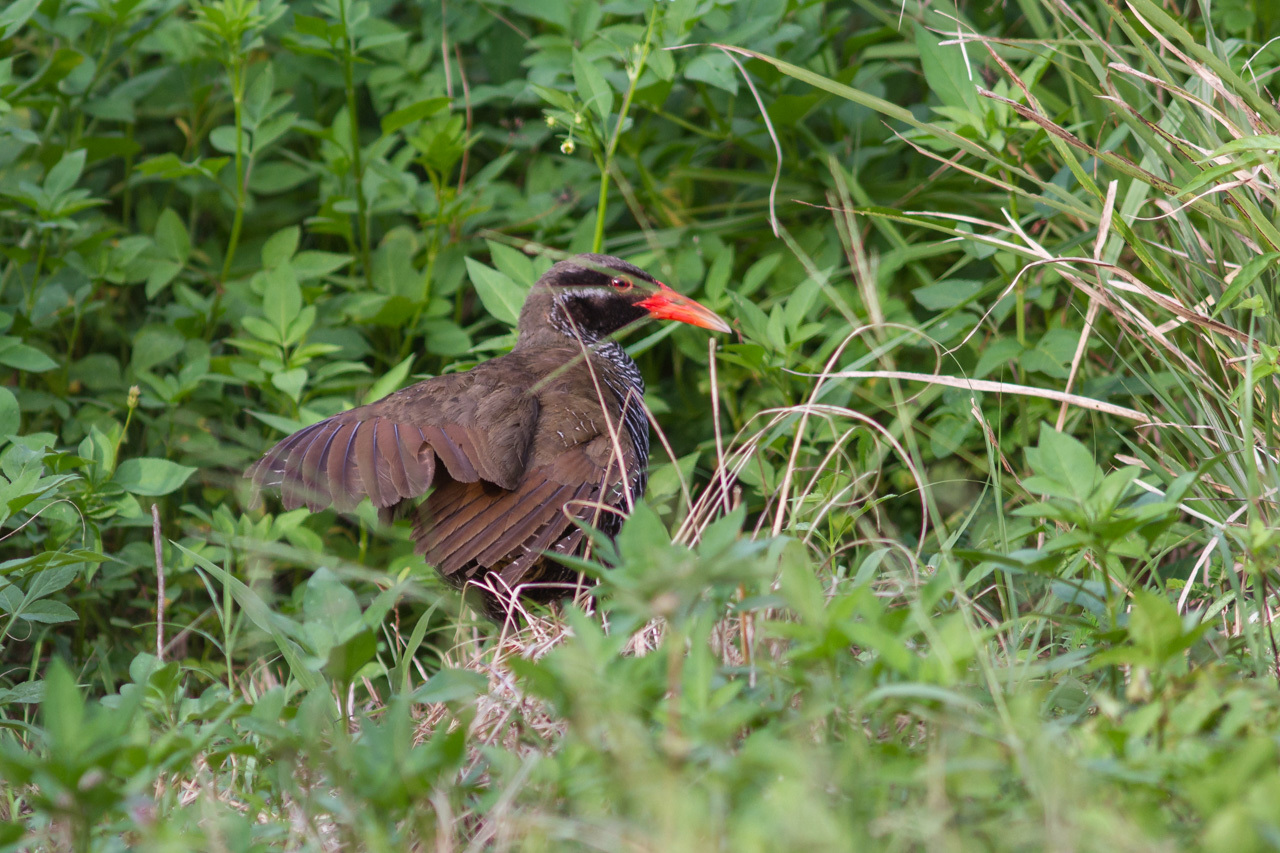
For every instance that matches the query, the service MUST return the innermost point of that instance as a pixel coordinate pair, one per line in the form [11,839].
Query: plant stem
[357,167]
[236,70]
[633,77]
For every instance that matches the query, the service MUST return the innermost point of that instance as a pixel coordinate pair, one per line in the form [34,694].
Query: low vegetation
[967,539]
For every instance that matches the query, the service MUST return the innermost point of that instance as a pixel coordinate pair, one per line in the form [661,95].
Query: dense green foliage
[966,540]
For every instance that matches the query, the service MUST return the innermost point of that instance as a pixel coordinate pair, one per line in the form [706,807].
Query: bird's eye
[621,285]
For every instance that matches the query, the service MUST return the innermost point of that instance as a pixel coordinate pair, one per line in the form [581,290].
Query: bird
[514,454]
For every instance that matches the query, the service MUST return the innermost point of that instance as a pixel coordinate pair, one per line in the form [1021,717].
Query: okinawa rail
[510,453]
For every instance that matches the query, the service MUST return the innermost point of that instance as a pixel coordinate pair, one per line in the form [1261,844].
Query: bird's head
[589,297]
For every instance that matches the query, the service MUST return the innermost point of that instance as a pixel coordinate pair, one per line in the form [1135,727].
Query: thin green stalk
[34,287]
[633,77]
[357,167]
[1020,311]
[236,70]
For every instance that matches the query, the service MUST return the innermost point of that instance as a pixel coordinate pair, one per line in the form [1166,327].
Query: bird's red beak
[666,304]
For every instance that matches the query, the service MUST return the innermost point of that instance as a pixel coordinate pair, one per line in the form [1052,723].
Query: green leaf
[414,112]
[291,382]
[445,337]
[452,684]
[1245,276]
[311,264]
[593,89]
[309,25]
[15,16]
[155,345]
[714,69]
[1156,627]
[63,711]
[393,269]
[947,73]
[280,247]
[151,476]
[171,236]
[1266,142]
[1064,466]
[331,609]
[10,416]
[14,353]
[261,615]
[1212,174]
[389,381]
[501,296]
[278,176]
[946,294]
[996,354]
[224,139]
[262,330]
[512,262]
[282,299]
[554,97]
[160,275]
[48,612]
[63,176]
[345,659]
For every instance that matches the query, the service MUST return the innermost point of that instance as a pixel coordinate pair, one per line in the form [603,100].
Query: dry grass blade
[988,386]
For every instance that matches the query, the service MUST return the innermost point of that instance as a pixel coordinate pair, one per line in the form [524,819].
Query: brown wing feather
[479,424]
[463,528]
[543,539]
[518,514]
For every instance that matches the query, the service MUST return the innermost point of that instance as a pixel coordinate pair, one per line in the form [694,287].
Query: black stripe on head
[591,270]
[593,314]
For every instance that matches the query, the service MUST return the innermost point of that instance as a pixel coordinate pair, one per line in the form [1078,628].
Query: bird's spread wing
[465,529]
[389,451]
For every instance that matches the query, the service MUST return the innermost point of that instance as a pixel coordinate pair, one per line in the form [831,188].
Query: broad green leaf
[445,337]
[282,298]
[171,236]
[554,97]
[155,345]
[501,296]
[1065,464]
[1245,276]
[261,329]
[151,476]
[389,381]
[946,294]
[393,269]
[10,416]
[224,139]
[414,112]
[512,262]
[14,353]
[15,16]
[291,382]
[947,73]
[452,684]
[593,89]
[278,176]
[309,264]
[160,275]
[715,69]
[63,176]
[63,710]
[49,612]
[280,246]
[331,609]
